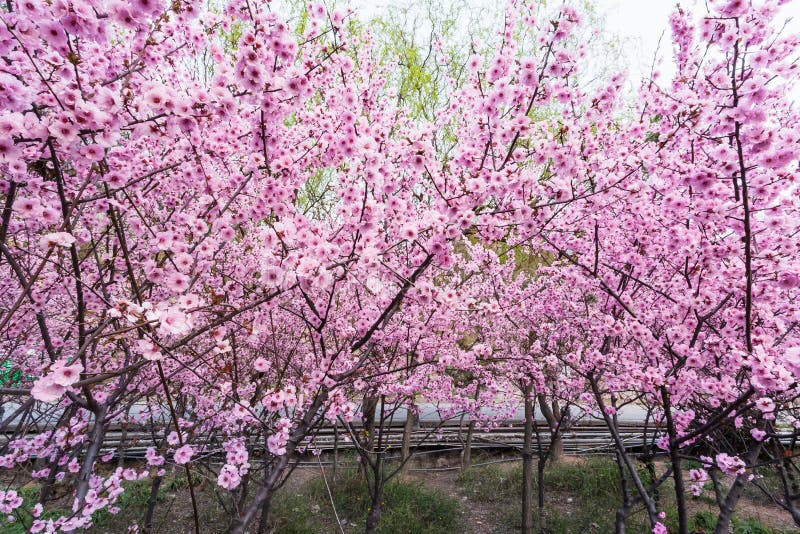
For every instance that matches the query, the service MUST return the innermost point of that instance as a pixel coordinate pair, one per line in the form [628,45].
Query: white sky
[641,23]
[638,23]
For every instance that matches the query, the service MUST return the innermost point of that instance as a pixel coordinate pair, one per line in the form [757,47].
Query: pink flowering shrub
[231,232]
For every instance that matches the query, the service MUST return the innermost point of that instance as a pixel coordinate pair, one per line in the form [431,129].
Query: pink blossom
[731,465]
[184,454]
[261,365]
[93,152]
[173,438]
[183,261]
[61,239]
[64,375]
[228,477]
[153,458]
[698,475]
[149,350]
[46,390]
[765,404]
[27,207]
[174,321]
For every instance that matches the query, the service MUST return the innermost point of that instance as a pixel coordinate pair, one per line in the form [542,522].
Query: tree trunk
[466,456]
[552,414]
[262,498]
[649,503]
[261,501]
[368,408]
[624,511]
[408,428]
[374,461]
[556,451]
[375,509]
[729,504]
[527,464]
[540,489]
[95,442]
[335,450]
[262,522]
[675,460]
[151,505]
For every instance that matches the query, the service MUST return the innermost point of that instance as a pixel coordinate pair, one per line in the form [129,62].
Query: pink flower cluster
[51,387]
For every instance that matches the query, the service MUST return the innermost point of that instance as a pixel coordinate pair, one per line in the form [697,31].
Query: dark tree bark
[147,527]
[375,510]
[675,460]
[728,505]
[555,417]
[466,456]
[408,428]
[527,462]
[373,464]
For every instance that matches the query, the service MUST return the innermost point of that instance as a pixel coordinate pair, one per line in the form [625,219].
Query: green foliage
[136,496]
[595,478]
[21,527]
[230,39]
[294,513]
[417,510]
[490,483]
[317,198]
[705,522]
[692,464]
[584,497]
[406,34]
[581,497]
[408,507]
[9,375]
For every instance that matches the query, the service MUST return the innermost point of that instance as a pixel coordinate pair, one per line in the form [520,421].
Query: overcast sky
[639,23]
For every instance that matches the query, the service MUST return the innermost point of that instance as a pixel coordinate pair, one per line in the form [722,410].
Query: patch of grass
[135,497]
[770,480]
[692,464]
[414,509]
[490,483]
[580,497]
[30,496]
[595,478]
[293,513]
[408,507]
[584,497]
[753,526]
[704,522]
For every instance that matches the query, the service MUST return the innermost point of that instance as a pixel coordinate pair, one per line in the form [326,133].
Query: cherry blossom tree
[691,256]
[230,229]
